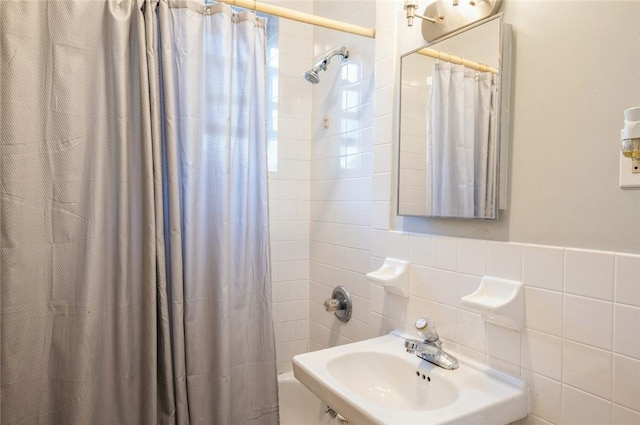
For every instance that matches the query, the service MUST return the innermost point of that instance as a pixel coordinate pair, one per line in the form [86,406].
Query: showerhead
[312,74]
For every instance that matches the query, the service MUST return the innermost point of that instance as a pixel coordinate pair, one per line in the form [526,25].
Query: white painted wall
[575,71]
[568,122]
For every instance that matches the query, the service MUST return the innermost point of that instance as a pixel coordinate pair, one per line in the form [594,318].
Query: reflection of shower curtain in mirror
[460,124]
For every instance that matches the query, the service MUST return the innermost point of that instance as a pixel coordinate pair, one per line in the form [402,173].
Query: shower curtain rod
[306,18]
[436,54]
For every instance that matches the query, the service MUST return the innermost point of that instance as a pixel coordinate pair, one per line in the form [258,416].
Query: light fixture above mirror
[410,7]
[442,17]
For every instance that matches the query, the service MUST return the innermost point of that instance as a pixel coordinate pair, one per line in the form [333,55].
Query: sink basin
[377,382]
[367,374]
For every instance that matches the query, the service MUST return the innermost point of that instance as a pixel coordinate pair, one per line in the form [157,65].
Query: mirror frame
[503,113]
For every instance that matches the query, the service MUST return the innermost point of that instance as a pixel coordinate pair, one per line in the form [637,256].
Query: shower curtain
[460,157]
[134,241]
[214,64]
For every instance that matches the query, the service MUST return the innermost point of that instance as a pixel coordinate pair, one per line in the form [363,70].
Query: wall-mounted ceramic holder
[499,301]
[393,277]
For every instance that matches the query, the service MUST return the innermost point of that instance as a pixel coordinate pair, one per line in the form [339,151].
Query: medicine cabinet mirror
[454,125]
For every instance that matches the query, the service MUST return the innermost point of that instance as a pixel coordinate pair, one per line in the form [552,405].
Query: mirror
[452,122]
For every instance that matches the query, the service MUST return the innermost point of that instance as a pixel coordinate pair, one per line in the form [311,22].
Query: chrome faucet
[430,347]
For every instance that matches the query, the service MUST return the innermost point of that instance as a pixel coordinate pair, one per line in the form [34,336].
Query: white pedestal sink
[377,382]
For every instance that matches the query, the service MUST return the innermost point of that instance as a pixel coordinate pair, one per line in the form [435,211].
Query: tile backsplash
[580,345]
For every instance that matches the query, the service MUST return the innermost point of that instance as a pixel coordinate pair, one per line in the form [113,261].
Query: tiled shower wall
[290,51]
[341,173]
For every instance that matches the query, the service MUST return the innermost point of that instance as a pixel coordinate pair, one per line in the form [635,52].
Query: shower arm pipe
[446,57]
[307,18]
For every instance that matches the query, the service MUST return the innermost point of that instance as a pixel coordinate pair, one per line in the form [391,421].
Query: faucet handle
[333,304]
[427,329]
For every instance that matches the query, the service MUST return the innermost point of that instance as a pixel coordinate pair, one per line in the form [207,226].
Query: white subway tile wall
[573,349]
[589,273]
[504,260]
[625,342]
[588,320]
[627,289]
[290,49]
[543,267]
[342,163]
[622,415]
[542,353]
[545,397]
[588,368]
[472,257]
[581,408]
[626,382]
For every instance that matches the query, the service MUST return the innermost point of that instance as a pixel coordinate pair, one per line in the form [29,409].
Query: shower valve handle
[339,303]
[333,304]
